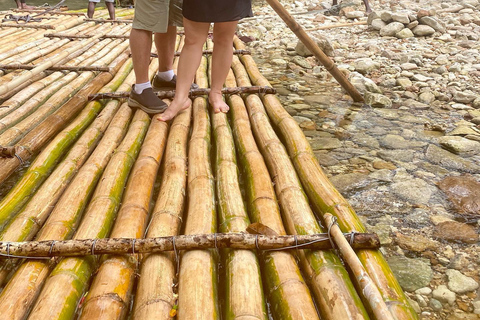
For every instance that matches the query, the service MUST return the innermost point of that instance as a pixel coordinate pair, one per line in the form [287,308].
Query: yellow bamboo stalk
[197,285]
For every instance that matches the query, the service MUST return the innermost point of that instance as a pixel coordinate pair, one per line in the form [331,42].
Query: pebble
[459,283]
[443,294]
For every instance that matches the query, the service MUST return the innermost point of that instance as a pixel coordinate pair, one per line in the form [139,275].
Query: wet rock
[463,130]
[460,145]
[392,28]
[363,84]
[446,159]
[455,231]
[418,218]
[404,34]
[464,193]
[416,243]
[397,155]
[423,30]
[459,283]
[349,182]
[377,100]
[325,160]
[415,191]
[412,274]
[325,143]
[365,140]
[392,141]
[442,293]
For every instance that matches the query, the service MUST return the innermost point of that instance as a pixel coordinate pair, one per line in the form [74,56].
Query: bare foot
[26,7]
[216,100]
[173,109]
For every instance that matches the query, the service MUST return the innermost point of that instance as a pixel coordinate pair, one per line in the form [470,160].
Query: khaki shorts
[157,15]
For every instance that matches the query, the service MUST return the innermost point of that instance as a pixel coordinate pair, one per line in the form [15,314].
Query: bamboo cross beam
[51,12]
[108,21]
[236,52]
[317,52]
[193,92]
[83,247]
[55,68]
[24,25]
[84,36]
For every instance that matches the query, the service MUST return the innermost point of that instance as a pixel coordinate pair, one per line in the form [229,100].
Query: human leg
[195,35]
[165,44]
[91,9]
[221,61]
[111,9]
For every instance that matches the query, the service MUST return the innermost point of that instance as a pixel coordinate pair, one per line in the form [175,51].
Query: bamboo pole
[24,25]
[242,279]
[83,36]
[197,291]
[110,292]
[30,277]
[155,296]
[42,202]
[369,289]
[118,244]
[108,21]
[317,52]
[333,289]
[67,282]
[193,92]
[14,83]
[44,132]
[77,57]
[55,68]
[18,125]
[325,198]
[286,289]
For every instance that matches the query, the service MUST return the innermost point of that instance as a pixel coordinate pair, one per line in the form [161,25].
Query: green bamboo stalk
[43,164]
[67,282]
[286,289]
[31,218]
[334,292]
[325,198]
[111,289]
[28,280]
[243,282]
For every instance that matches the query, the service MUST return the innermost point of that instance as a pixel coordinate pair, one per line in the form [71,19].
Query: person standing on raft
[108,4]
[162,18]
[197,16]
[21,4]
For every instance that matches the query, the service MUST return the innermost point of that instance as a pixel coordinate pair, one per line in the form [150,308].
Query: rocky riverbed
[409,159]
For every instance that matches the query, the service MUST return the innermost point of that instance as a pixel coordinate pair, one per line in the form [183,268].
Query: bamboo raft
[81,170]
